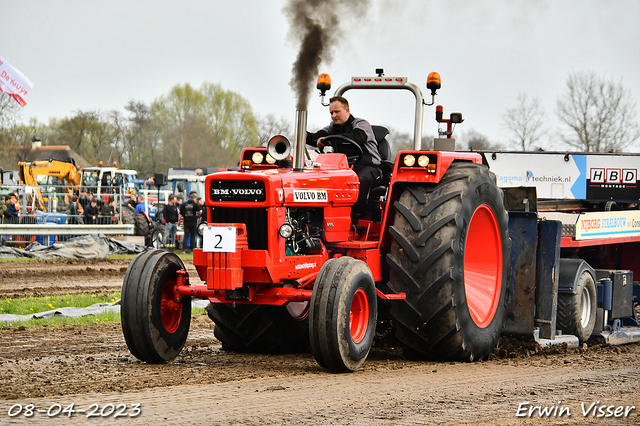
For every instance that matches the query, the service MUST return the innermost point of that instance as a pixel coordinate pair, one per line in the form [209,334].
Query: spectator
[140,207]
[86,200]
[91,213]
[108,211]
[3,205]
[171,217]
[74,211]
[203,214]
[189,211]
[16,199]
[11,215]
[131,202]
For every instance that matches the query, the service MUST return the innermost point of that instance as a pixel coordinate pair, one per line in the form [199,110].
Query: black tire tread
[141,335]
[258,329]
[130,315]
[329,315]
[569,312]
[427,323]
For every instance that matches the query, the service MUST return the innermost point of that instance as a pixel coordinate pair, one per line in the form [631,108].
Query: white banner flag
[14,83]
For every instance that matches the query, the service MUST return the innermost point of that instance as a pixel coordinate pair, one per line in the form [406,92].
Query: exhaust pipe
[301,138]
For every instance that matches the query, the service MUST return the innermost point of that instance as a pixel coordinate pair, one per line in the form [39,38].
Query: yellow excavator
[49,172]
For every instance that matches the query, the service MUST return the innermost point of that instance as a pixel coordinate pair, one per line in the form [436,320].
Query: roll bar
[393,83]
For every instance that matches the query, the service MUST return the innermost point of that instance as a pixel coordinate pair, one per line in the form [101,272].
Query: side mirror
[456,117]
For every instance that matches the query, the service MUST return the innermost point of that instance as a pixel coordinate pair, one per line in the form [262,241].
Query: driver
[358,130]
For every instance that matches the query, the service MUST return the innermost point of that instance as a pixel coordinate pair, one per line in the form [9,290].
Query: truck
[104,181]
[183,180]
[9,177]
[9,180]
[445,260]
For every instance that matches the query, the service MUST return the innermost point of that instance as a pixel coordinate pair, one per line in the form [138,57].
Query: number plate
[219,239]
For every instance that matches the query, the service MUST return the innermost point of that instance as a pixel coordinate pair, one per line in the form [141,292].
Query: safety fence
[21,234]
[56,198]
[43,214]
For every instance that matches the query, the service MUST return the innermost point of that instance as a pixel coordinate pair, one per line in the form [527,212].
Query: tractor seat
[384,148]
[379,188]
[383,144]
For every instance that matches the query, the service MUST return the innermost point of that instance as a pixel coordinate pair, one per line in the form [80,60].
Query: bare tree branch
[270,126]
[601,113]
[526,121]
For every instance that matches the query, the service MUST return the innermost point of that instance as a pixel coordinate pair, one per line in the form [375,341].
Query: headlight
[257,157]
[286,230]
[201,228]
[423,161]
[409,160]
[270,159]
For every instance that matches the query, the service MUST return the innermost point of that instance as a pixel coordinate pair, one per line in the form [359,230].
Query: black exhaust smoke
[315,24]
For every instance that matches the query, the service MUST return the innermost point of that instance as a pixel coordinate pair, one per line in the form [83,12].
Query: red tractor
[284,269]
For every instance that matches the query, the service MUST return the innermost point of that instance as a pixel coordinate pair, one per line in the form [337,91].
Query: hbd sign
[614,183]
[614,176]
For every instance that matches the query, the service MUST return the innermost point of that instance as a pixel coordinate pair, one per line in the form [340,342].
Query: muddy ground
[85,365]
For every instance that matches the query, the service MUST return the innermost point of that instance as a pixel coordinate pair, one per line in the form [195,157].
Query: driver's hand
[319,143]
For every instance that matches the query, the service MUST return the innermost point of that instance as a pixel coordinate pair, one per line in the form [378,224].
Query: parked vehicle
[52,173]
[106,181]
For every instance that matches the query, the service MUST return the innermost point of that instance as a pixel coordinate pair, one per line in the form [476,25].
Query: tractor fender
[569,274]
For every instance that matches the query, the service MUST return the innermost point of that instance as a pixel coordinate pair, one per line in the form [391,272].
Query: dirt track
[65,276]
[92,365]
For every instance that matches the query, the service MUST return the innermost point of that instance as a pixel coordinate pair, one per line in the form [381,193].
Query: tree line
[598,115]
[208,126]
[187,127]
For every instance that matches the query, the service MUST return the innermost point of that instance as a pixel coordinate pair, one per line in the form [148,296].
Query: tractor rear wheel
[342,316]
[450,254]
[258,328]
[155,321]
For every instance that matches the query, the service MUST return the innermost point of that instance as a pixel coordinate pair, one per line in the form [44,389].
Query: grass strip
[33,305]
[183,256]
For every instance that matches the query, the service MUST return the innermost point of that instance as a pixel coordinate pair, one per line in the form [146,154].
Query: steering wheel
[344,145]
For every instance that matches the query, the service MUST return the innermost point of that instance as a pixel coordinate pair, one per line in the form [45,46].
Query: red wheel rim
[359,316]
[483,266]
[170,310]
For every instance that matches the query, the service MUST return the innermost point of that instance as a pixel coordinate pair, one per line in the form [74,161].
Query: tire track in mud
[68,276]
[91,364]
[484,393]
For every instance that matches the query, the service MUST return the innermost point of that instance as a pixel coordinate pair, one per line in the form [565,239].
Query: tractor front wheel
[155,319]
[342,316]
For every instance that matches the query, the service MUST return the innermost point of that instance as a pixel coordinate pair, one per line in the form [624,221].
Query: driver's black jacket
[359,131]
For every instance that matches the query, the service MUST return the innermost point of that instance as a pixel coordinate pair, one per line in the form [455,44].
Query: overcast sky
[88,55]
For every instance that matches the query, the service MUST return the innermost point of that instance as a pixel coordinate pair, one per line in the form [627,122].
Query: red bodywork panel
[328,184]
[271,275]
[401,173]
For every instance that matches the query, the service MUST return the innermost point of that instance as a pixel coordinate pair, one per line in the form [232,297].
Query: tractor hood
[327,181]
